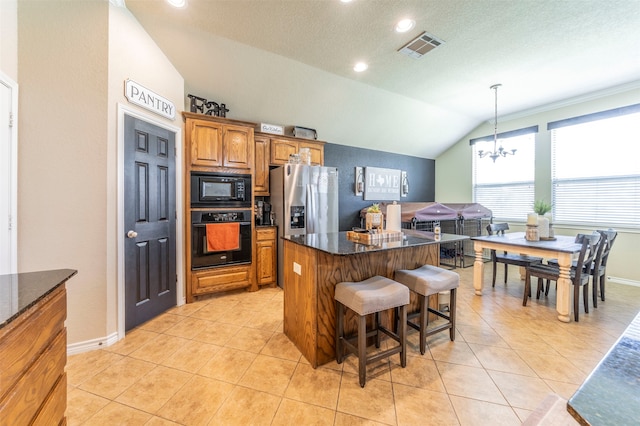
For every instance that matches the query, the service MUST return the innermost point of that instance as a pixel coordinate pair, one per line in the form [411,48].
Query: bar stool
[425,281]
[371,296]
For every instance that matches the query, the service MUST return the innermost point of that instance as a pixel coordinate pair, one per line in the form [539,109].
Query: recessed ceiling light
[360,66]
[346,1]
[177,3]
[405,25]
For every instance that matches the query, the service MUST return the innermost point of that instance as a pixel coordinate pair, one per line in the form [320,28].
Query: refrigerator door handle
[312,209]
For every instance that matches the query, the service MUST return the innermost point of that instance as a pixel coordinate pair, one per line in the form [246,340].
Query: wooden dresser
[33,348]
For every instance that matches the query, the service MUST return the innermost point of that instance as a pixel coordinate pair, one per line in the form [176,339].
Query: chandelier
[497,152]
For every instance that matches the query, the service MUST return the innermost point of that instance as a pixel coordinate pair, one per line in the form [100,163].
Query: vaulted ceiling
[541,51]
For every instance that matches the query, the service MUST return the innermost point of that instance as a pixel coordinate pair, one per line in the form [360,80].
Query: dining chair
[579,275]
[507,258]
[599,272]
[599,265]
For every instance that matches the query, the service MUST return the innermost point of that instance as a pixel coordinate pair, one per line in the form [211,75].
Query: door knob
[132,234]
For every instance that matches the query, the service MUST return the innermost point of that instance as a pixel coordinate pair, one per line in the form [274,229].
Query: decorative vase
[373,221]
[532,233]
[543,227]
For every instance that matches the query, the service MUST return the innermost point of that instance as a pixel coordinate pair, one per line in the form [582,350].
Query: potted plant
[541,207]
[374,217]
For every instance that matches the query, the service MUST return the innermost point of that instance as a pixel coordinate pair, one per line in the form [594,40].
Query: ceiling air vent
[420,45]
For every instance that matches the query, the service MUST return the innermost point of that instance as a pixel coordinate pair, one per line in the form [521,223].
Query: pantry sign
[141,96]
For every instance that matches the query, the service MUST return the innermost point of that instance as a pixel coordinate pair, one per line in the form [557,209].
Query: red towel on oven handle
[223,236]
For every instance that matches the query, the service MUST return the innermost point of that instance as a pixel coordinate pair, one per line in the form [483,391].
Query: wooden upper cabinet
[206,143]
[281,149]
[237,147]
[216,142]
[261,166]
[317,152]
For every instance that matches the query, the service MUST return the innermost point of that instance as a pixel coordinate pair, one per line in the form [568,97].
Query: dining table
[561,247]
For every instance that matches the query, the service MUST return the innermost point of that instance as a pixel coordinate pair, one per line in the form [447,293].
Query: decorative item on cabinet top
[302,132]
[199,104]
[274,129]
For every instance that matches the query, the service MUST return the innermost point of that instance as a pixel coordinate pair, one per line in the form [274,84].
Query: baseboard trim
[91,345]
[623,281]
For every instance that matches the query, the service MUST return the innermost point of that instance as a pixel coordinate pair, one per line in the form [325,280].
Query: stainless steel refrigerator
[305,201]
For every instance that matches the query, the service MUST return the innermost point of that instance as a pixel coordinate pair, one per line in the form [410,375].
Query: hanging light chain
[497,152]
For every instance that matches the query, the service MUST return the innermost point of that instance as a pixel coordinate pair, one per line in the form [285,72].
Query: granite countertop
[20,291]
[611,393]
[337,242]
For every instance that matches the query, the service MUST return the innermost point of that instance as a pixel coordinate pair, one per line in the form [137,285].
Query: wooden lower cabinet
[266,252]
[33,353]
[220,279]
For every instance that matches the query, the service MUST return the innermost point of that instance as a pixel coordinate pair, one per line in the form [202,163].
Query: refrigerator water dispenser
[297,217]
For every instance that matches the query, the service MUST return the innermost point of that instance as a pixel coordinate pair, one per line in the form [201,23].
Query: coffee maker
[259,212]
[263,213]
[267,214]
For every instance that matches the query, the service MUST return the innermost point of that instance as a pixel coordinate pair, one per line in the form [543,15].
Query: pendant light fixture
[497,152]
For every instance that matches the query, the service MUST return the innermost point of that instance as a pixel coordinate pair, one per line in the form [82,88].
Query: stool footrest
[348,340]
[440,314]
[384,354]
[375,357]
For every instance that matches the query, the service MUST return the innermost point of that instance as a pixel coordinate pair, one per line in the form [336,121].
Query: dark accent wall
[420,172]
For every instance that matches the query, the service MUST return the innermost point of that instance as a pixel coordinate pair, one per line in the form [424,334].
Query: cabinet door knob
[132,234]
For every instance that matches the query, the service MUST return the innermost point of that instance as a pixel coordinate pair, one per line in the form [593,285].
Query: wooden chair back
[588,252]
[610,235]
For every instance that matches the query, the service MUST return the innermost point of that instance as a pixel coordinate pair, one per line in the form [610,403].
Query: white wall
[454,167]
[73,60]
[133,55]
[62,152]
[261,86]
[9,38]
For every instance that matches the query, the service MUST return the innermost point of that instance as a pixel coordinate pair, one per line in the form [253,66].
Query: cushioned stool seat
[425,281]
[370,296]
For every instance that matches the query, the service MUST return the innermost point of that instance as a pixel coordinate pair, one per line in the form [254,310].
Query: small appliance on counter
[264,215]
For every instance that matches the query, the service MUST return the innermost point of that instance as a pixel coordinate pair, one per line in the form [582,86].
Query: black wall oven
[220,190]
[220,238]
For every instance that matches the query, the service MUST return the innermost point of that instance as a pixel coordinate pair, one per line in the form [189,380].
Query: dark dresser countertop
[20,291]
[611,393]
[337,243]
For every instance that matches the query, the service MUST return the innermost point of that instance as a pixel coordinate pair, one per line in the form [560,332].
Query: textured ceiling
[542,51]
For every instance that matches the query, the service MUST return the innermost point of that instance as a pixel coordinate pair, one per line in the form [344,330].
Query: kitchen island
[315,263]
[611,393]
[33,347]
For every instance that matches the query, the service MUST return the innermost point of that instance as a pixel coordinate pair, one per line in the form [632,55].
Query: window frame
[524,190]
[567,192]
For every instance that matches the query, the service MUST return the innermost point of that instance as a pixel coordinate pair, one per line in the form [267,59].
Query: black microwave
[220,190]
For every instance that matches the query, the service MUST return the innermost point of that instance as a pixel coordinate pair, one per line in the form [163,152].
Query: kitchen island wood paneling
[315,263]
[33,347]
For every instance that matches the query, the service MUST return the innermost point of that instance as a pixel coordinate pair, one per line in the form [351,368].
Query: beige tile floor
[225,361]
